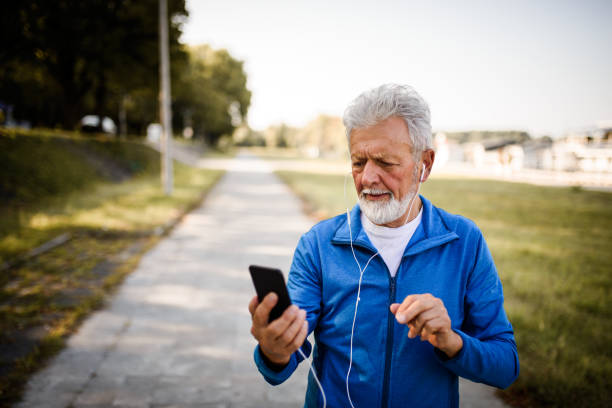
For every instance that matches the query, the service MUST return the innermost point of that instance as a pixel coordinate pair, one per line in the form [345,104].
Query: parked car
[98,124]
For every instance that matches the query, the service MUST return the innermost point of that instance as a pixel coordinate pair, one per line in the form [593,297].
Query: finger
[432,328]
[417,324]
[280,325]
[436,312]
[253,305]
[294,328]
[301,336]
[394,307]
[262,311]
[417,307]
[408,300]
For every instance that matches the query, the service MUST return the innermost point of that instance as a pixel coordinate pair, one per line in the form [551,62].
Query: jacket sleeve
[305,291]
[489,352]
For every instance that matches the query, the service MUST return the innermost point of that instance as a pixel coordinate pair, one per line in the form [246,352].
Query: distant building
[506,155]
[587,151]
[537,153]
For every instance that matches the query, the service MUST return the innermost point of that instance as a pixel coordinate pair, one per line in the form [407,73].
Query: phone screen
[268,280]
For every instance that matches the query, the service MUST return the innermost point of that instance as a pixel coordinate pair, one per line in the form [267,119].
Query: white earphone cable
[314,374]
[361,271]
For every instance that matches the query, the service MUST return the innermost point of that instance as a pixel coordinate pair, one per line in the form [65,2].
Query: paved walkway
[177,332]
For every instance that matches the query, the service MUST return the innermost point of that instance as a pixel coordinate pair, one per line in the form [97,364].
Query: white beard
[384,212]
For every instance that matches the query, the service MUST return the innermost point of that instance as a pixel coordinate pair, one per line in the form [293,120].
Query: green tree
[211,94]
[65,58]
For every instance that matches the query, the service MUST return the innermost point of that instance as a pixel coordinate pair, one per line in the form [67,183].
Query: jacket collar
[431,232]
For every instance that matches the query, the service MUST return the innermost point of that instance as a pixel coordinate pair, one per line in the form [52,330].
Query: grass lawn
[552,248]
[107,196]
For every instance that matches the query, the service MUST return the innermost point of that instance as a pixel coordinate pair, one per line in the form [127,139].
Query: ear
[427,158]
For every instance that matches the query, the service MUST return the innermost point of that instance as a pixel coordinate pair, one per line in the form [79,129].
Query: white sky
[541,66]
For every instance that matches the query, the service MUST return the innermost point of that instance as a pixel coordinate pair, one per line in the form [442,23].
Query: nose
[369,175]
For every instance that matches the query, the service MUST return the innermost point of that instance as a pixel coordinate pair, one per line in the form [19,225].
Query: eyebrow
[375,156]
[379,156]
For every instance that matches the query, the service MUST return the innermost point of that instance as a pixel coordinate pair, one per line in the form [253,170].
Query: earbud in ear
[423,173]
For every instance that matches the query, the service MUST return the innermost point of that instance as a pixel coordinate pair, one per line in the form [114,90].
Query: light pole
[164,99]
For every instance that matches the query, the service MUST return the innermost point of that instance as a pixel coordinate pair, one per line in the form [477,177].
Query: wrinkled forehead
[379,152]
[379,143]
[393,126]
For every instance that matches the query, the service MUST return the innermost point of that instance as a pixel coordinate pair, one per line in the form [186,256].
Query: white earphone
[422,173]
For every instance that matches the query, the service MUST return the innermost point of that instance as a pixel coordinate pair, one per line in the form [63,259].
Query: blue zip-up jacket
[447,257]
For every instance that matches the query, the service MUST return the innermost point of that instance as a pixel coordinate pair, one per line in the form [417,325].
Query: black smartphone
[268,280]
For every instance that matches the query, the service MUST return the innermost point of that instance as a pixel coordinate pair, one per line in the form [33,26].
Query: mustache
[374,191]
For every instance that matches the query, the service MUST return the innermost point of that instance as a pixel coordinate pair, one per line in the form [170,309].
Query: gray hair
[377,104]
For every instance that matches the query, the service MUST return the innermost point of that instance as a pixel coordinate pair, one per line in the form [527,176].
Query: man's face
[384,170]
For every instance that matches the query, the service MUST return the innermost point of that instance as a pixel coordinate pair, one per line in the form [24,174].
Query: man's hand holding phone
[278,339]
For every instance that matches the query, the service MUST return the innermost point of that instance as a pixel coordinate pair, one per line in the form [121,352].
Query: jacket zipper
[389,349]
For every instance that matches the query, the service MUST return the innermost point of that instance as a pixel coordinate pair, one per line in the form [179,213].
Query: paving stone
[58,399]
[197,405]
[98,391]
[135,392]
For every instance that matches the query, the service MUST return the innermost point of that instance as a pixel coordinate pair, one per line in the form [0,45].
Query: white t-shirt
[390,242]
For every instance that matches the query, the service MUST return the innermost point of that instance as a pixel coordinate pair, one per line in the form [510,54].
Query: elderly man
[402,296]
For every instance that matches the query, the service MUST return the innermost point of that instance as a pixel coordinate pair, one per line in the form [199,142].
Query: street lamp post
[164,100]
